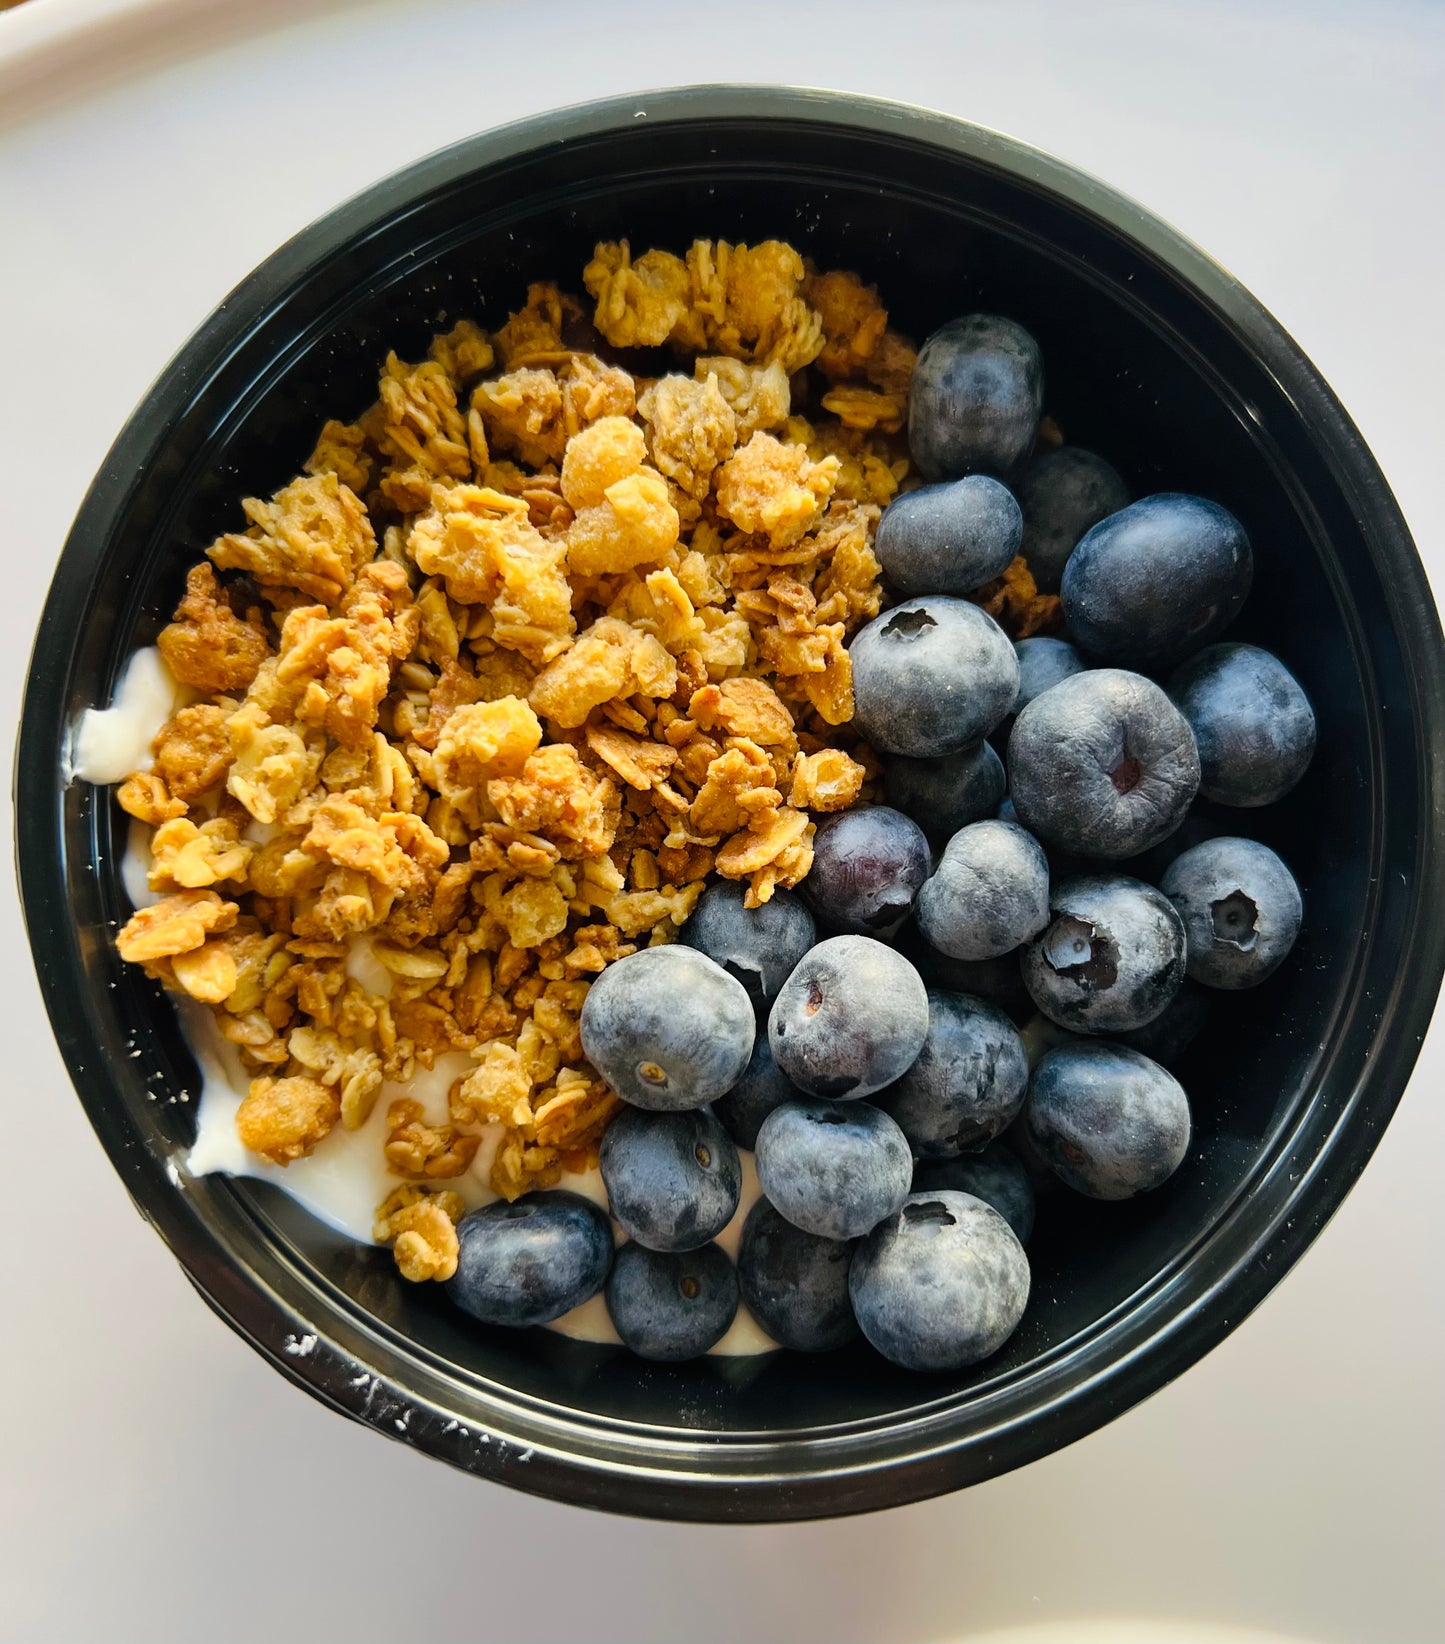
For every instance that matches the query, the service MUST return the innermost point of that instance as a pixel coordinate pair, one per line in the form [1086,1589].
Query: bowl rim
[556,1451]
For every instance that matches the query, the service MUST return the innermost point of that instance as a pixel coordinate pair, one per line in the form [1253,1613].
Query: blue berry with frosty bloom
[975,398]
[941,1284]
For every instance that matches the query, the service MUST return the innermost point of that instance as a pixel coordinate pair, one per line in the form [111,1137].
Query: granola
[533,648]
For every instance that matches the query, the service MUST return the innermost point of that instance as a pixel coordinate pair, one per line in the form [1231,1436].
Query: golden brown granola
[532,649]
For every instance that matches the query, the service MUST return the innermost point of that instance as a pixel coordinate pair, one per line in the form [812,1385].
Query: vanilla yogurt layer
[346,1178]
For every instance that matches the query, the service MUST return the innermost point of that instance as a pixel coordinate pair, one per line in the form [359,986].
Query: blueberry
[1253,724]
[996,1175]
[667,1028]
[1042,662]
[940,1284]
[1156,580]
[989,893]
[1174,1029]
[968,1082]
[1109,1122]
[794,1283]
[833,1168]
[758,946]
[975,398]
[672,1304]
[932,676]
[1241,909]
[1062,494]
[1111,958]
[1102,764]
[949,539]
[762,1087]
[867,866]
[673,1179]
[945,794]
[530,1261]
[850,1018]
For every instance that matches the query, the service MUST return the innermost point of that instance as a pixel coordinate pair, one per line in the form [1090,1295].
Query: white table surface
[157,1481]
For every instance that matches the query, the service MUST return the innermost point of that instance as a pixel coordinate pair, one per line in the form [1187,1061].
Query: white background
[157,1481]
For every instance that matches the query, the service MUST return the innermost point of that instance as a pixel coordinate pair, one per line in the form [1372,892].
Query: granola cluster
[528,653]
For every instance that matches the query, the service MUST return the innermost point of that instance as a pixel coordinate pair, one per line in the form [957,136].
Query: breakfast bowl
[1155,356]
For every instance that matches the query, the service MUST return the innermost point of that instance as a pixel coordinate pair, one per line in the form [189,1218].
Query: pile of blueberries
[1025,781]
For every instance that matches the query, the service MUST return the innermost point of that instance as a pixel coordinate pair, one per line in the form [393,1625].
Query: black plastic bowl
[1154,356]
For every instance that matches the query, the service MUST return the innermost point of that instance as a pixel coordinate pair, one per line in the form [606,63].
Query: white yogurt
[346,1178]
[109,743]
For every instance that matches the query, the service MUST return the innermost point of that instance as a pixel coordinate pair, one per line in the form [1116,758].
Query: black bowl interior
[1177,390]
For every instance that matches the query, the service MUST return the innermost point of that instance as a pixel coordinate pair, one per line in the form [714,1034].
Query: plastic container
[1156,357]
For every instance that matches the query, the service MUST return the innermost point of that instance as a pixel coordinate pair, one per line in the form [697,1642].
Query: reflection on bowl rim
[304,1329]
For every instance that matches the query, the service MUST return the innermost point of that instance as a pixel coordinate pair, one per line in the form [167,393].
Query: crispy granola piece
[420,1227]
[187,857]
[281,869]
[353,1071]
[260,962]
[594,947]
[640,762]
[481,741]
[866,408]
[775,489]
[759,395]
[557,797]
[598,457]
[847,589]
[533,335]
[422,1152]
[284,1119]
[827,780]
[192,750]
[1015,603]
[207,973]
[740,783]
[610,659]
[314,535]
[658,604]
[565,1132]
[396,850]
[463,352]
[747,297]
[341,450]
[830,690]
[634,524]
[338,668]
[145,797]
[853,321]
[634,912]
[776,850]
[272,764]
[641,303]
[532,912]
[207,646]
[488,552]
[178,924]
[693,430]
[745,708]
[872,465]
[497,1092]
[591,390]
[421,427]
[522,412]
